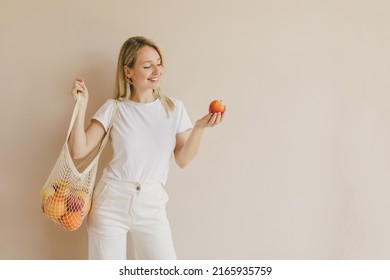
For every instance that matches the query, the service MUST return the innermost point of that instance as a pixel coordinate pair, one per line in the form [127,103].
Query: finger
[82,81]
[212,119]
[79,88]
[84,85]
[218,120]
[74,95]
[79,79]
[74,89]
[222,116]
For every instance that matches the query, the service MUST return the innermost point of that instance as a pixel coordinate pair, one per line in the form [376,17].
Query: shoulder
[109,103]
[106,107]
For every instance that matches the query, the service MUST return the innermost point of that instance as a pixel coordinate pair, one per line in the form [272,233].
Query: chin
[154,87]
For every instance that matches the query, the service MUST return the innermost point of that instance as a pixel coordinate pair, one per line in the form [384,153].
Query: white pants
[121,207]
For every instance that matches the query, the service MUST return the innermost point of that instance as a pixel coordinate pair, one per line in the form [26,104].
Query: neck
[143,96]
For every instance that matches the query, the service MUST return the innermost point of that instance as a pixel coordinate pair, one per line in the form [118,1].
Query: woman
[148,127]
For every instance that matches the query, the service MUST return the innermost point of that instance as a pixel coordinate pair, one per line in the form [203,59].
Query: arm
[81,140]
[188,142]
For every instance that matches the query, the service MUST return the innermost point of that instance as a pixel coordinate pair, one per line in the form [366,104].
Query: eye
[147,66]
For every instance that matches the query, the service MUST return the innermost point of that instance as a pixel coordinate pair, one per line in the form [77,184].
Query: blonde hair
[127,57]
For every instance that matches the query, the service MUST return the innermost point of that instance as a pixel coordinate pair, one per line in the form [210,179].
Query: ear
[128,72]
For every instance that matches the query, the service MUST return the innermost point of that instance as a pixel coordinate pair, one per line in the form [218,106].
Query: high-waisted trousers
[122,207]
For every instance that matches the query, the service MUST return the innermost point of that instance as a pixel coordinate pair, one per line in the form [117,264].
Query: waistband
[132,185]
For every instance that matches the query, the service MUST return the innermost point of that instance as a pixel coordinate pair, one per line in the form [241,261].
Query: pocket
[98,194]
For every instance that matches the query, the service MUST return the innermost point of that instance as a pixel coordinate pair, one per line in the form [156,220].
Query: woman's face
[147,70]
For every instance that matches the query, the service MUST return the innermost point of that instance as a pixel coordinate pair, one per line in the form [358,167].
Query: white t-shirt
[143,138]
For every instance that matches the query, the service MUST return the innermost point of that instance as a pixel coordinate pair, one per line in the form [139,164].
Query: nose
[156,70]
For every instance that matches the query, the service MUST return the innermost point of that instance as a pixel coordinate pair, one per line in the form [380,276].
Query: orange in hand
[217,106]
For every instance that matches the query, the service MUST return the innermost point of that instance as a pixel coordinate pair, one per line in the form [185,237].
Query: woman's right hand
[79,89]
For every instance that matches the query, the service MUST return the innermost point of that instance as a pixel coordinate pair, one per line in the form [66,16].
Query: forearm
[190,148]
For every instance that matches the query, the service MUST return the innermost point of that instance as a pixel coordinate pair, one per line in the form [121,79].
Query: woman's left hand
[210,120]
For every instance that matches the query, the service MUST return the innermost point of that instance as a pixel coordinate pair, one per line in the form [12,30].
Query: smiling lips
[154,79]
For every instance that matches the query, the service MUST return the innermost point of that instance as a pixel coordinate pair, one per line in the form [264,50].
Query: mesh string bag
[67,194]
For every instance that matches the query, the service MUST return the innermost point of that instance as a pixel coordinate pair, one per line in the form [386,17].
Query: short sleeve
[184,122]
[104,113]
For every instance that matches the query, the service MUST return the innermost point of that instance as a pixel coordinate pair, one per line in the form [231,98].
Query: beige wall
[298,170]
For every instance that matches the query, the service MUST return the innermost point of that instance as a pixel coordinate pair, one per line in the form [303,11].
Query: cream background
[298,169]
